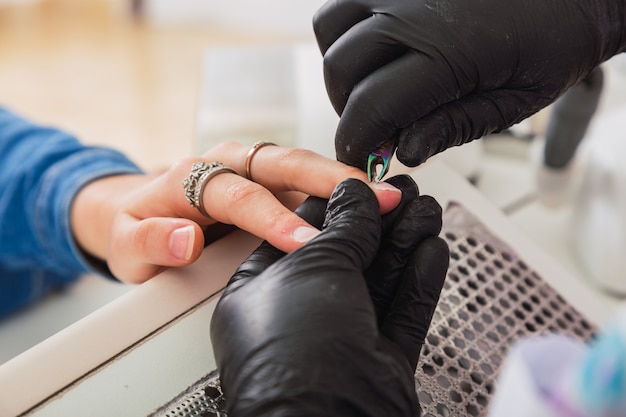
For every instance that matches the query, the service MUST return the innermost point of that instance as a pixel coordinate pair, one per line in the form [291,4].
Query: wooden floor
[91,68]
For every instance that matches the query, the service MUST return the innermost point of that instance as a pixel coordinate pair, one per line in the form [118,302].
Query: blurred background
[161,80]
[128,73]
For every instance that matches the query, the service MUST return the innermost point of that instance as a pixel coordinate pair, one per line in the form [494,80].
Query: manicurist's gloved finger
[406,277]
[415,219]
[391,105]
[313,211]
[334,18]
[408,318]
[366,40]
[383,275]
[460,121]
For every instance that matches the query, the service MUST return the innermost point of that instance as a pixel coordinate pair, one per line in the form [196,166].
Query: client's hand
[142,224]
[334,328]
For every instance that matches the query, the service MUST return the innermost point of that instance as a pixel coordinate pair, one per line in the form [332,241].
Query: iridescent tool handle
[381,158]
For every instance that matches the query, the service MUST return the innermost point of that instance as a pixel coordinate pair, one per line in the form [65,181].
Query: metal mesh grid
[202,399]
[490,299]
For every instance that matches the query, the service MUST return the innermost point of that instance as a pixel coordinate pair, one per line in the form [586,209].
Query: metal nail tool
[380,158]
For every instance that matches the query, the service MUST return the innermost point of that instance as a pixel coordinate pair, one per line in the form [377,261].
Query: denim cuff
[53,202]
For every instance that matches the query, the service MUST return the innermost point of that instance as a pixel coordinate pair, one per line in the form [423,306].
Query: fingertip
[185,241]
[428,214]
[421,140]
[387,194]
[181,242]
[303,234]
[434,252]
[289,233]
[142,249]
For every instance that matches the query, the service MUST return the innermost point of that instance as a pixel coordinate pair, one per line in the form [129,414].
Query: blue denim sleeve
[41,171]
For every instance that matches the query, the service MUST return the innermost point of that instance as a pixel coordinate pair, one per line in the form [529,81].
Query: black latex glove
[298,334]
[440,73]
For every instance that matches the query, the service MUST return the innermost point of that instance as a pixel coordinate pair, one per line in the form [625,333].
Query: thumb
[141,248]
[463,120]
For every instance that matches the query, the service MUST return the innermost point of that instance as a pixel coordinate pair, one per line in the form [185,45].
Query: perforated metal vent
[490,299]
[203,399]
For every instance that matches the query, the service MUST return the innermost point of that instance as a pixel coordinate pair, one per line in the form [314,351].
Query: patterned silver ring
[201,173]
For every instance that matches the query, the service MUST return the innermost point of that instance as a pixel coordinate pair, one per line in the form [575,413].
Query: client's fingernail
[385,186]
[304,233]
[181,242]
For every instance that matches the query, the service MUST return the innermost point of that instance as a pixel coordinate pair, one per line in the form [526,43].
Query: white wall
[283,17]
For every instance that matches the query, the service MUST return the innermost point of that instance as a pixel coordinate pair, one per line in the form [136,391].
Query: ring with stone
[201,173]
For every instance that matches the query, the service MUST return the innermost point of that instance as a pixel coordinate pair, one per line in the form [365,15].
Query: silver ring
[255,147]
[201,173]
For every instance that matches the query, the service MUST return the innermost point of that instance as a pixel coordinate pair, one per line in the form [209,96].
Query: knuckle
[276,221]
[293,159]
[243,197]
[365,95]
[243,193]
[294,156]
[318,25]
[294,173]
[333,68]
[184,163]
[181,168]
[430,204]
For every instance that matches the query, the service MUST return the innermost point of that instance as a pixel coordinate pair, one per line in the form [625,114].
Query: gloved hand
[299,334]
[439,73]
